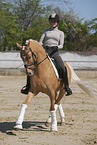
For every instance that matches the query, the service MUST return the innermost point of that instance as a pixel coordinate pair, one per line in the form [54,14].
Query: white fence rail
[13,60]
[86,65]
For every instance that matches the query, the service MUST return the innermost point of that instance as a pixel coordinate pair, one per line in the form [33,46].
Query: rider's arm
[42,38]
[61,40]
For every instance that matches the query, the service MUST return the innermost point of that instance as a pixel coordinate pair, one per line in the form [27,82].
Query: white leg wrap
[56,107]
[49,118]
[53,121]
[61,112]
[21,115]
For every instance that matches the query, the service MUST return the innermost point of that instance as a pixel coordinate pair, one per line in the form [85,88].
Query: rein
[43,60]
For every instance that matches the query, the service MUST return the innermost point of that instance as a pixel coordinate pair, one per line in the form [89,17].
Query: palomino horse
[43,79]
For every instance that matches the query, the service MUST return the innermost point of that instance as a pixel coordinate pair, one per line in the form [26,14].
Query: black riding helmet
[54,17]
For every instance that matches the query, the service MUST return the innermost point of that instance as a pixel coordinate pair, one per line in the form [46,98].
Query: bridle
[34,56]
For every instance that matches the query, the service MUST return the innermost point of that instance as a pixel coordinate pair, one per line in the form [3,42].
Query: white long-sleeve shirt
[53,37]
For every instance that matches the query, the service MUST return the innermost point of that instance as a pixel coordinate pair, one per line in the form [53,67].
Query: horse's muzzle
[30,72]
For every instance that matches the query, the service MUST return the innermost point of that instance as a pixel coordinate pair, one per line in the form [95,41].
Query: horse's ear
[19,46]
[27,42]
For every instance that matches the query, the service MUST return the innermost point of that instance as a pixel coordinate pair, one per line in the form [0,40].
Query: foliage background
[26,19]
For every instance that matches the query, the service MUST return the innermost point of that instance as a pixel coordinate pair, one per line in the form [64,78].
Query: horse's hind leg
[22,111]
[62,115]
[60,108]
[61,94]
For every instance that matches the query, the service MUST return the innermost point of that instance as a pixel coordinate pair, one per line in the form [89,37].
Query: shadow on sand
[8,127]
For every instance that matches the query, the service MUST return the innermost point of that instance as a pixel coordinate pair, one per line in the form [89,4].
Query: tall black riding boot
[68,90]
[65,81]
[26,88]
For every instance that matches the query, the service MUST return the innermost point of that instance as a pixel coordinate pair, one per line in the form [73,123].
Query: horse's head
[29,57]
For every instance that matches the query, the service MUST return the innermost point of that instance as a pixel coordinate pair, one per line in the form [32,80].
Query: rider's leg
[62,72]
[65,80]
[26,88]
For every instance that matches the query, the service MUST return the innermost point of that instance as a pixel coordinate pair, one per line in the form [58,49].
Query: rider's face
[53,23]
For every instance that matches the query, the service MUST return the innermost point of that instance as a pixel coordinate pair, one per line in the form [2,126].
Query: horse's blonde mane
[35,45]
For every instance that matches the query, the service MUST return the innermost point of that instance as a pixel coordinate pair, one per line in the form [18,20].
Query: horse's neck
[42,58]
[43,65]
[40,53]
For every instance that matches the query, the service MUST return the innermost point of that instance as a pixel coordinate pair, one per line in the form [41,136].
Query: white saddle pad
[55,70]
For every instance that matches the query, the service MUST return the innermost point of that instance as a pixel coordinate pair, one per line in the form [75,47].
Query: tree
[26,19]
[75,32]
[93,25]
[30,17]
[7,28]
[21,20]
[91,41]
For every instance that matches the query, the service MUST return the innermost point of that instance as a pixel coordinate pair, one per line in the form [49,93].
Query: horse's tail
[81,84]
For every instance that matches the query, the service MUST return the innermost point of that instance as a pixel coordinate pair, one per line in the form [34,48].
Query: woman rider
[54,40]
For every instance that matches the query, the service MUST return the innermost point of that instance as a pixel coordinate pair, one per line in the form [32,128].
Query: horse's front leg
[22,111]
[53,113]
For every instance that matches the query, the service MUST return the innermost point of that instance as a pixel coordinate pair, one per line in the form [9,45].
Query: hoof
[18,127]
[62,123]
[47,124]
[53,130]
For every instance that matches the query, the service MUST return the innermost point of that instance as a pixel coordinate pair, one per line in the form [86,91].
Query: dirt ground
[80,115]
